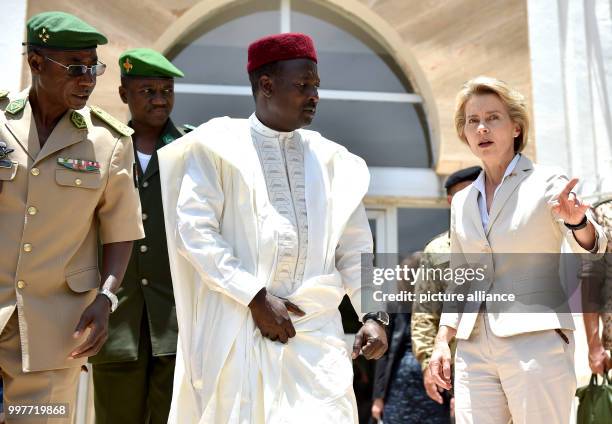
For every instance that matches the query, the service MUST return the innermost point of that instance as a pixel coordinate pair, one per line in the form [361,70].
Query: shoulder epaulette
[116,124]
[187,128]
[16,106]
[3,94]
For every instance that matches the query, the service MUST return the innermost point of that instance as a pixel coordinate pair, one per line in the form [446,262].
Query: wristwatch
[112,298]
[578,226]
[380,317]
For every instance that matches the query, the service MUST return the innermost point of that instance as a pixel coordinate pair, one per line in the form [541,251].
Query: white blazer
[519,250]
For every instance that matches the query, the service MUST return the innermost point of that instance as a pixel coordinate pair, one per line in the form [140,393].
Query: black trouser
[135,391]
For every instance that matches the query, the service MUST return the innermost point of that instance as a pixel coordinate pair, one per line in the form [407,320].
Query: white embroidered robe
[223,241]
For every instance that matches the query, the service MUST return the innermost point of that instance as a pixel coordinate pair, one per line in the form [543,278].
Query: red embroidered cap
[277,47]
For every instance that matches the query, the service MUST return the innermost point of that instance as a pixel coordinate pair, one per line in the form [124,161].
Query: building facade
[390,70]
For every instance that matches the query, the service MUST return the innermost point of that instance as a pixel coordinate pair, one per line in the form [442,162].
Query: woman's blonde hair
[511,98]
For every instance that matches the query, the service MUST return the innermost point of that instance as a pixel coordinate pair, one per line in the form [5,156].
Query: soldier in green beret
[133,372]
[66,182]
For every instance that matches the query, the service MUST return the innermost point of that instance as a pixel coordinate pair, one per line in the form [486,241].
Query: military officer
[426,316]
[66,182]
[136,365]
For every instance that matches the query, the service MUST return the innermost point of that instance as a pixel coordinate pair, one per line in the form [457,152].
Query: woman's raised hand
[567,206]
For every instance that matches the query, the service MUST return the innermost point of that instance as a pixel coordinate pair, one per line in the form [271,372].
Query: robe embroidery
[281,156]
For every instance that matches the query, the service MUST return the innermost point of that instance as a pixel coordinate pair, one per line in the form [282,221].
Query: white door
[383,222]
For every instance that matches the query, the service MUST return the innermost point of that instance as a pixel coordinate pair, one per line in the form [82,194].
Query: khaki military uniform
[426,316]
[597,275]
[55,203]
[140,351]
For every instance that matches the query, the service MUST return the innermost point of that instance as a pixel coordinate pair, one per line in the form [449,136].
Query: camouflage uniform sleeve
[425,315]
[593,276]
[596,277]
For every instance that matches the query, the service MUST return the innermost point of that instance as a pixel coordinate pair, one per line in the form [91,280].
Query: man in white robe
[266,231]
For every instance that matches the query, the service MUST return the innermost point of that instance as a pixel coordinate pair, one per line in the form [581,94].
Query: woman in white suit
[511,366]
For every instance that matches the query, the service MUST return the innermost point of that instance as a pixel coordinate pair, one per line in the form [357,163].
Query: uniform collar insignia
[167,138]
[16,106]
[170,133]
[77,120]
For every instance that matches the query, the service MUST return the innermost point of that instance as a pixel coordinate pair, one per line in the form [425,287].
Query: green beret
[147,63]
[62,31]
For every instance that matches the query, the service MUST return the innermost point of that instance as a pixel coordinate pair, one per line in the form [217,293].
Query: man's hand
[377,408]
[440,365]
[599,360]
[94,317]
[271,316]
[115,258]
[375,338]
[431,388]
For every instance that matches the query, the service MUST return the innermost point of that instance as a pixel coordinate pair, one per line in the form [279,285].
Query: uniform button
[145,184]
[143,248]
[144,281]
[27,247]
[78,181]
[198,384]
[144,216]
[35,171]
[32,210]
[21,284]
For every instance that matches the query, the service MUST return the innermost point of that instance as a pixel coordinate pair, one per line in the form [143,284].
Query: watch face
[383,318]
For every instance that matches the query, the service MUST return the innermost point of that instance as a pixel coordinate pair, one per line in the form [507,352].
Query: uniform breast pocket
[8,172]
[69,178]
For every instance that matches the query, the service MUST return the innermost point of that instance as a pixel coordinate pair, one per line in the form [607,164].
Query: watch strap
[111,297]
[578,226]
[380,317]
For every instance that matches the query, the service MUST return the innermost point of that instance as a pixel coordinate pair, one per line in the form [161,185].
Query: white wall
[12,22]
[571,70]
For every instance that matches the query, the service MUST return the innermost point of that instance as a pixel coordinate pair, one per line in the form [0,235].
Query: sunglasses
[80,70]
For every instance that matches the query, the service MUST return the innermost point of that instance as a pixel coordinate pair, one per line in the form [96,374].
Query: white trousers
[524,379]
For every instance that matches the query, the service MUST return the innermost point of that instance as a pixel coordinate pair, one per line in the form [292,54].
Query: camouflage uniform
[426,316]
[598,275]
